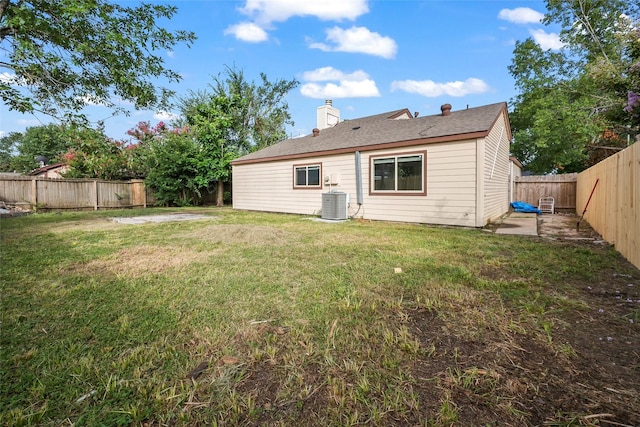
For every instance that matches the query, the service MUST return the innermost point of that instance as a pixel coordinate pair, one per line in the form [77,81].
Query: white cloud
[12,79]
[521,15]
[165,116]
[431,89]
[248,32]
[171,53]
[28,122]
[268,11]
[546,40]
[345,89]
[349,85]
[265,12]
[330,73]
[7,77]
[358,40]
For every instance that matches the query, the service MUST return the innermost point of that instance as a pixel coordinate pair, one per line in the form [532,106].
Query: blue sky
[367,56]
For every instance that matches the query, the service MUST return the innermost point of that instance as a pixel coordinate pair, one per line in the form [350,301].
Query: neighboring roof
[382,131]
[516,161]
[46,168]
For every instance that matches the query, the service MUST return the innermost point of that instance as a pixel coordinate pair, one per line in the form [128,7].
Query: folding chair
[546,205]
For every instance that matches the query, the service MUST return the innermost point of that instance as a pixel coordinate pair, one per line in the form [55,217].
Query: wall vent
[334,205]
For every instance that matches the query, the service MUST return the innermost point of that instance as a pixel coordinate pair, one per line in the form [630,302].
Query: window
[307,176]
[403,173]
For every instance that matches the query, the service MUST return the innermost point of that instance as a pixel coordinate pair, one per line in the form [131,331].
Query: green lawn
[299,322]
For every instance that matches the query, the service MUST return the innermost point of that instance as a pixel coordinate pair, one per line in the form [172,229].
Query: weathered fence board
[17,190]
[562,188]
[614,209]
[46,193]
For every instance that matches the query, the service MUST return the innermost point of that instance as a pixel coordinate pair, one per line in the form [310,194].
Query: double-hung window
[307,176]
[399,174]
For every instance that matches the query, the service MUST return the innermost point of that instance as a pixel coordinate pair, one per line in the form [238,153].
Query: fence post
[34,192]
[95,193]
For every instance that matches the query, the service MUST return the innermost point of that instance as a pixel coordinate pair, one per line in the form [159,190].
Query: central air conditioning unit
[335,205]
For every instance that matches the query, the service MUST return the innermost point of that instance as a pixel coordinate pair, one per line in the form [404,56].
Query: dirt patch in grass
[139,261]
[587,372]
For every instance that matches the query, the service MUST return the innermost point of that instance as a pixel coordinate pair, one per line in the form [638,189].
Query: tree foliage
[260,112]
[8,146]
[66,54]
[94,155]
[175,164]
[234,118]
[50,141]
[573,108]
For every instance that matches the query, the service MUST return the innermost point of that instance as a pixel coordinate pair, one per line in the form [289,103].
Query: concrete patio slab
[522,224]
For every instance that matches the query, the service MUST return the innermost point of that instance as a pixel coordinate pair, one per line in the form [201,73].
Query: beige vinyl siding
[269,186]
[496,172]
[450,199]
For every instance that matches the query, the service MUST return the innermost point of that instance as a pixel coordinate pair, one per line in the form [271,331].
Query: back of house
[450,168]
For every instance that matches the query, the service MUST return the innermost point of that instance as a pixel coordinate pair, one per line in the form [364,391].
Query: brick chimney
[446,109]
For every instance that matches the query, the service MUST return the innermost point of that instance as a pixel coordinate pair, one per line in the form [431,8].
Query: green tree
[175,163]
[50,141]
[94,155]
[172,161]
[260,112]
[211,120]
[66,54]
[234,118]
[570,112]
[8,148]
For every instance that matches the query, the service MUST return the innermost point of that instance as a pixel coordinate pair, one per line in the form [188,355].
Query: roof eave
[381,146]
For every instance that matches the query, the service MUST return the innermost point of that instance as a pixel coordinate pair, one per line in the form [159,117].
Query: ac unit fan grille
[334,206]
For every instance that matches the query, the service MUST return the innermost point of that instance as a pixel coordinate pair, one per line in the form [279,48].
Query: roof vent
[355,128]
[446,109]
[316,131]
[415,114]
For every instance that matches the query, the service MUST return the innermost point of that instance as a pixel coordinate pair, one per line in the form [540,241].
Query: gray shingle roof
[371,131]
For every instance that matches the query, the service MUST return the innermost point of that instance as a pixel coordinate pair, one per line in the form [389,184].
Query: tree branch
[3,6]
[587,24]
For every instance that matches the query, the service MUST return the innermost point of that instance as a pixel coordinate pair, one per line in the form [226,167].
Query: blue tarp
[525,207]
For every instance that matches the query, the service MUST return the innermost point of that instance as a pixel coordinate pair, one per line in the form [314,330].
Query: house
[515,172]
[450,168]
[50,171]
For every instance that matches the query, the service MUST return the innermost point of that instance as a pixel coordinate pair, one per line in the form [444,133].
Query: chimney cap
[446,109]
[328,102]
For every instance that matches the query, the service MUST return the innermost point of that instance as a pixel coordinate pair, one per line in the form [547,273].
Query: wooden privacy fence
[46,193]
[562,188]
[614,210]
